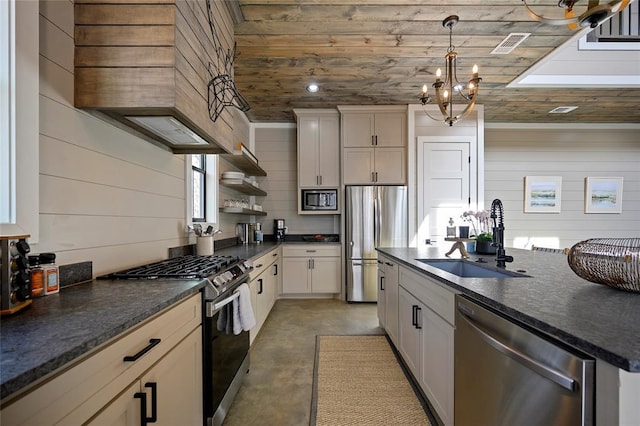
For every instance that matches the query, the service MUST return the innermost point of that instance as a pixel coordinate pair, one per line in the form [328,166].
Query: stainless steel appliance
[245,233]
[506,374]
[319,199]
[376,216]
[225,355]
[279,229]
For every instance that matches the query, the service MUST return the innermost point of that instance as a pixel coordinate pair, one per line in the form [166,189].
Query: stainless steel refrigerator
[376,216]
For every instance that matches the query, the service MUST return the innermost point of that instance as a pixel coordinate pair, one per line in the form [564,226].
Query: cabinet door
[391,293]
[296,275]
[179,383]
[390,166]
[409,333]
[382,295]
[437,378]
[358,166]
[357,129]
[122,411]
[308,136]
[326,275]
[390,129]
[328,152]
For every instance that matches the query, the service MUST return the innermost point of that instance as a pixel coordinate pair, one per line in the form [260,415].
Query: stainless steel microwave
[319,199]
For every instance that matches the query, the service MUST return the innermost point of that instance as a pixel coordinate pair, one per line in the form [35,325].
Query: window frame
[211,191]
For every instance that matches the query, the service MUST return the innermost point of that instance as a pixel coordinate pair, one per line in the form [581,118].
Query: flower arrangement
[480,223]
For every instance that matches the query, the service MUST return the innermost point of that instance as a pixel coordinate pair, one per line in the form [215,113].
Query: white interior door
[443,186]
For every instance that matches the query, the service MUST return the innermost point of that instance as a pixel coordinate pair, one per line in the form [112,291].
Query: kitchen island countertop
[596,319]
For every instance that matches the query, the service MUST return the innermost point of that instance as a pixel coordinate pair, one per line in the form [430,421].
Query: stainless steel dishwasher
[508,375]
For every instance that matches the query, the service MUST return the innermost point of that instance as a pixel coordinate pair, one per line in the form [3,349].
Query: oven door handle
[212,308]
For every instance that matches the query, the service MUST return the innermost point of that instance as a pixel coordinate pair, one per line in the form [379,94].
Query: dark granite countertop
[59,328]
[596,319]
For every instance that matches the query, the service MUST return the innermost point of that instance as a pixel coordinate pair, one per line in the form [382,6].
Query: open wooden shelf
[242,186]
[242,210]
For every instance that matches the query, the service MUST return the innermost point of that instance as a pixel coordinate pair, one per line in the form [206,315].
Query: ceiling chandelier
[447,89]
[595,14]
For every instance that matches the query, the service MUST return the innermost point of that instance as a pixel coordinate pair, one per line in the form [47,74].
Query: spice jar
[37,276]
[51,280]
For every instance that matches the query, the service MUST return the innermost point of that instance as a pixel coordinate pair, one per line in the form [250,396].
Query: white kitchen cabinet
[318,148]
[382,127]
[96,385]
[382,297]
[426,338]
[374,165]
[391,269]
[311,269]
[264,284]
[178,390]
[374,145]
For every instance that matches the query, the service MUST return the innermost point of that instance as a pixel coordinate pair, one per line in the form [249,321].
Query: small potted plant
[481,230]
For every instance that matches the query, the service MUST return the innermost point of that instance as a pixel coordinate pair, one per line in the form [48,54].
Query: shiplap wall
[276,148]
[105,195]
[574,154]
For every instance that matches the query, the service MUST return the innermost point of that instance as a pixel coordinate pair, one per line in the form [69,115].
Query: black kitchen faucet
[497,212]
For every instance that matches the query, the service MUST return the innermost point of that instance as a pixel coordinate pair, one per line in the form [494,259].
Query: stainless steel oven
[319,199]
[226,356]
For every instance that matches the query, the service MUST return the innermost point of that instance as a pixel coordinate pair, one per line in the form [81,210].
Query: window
[199,169]
[202,188]
[19,99]
[7,179]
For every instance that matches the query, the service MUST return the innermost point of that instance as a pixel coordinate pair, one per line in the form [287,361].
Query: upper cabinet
[148,66]
[318,148]
[367,128]
[374,145]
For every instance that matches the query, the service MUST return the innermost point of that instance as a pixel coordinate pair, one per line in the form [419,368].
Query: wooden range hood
[146,65]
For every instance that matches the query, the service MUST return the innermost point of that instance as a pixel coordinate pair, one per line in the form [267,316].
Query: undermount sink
[466,269]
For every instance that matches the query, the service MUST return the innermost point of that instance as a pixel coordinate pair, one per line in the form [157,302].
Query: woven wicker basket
[611,261]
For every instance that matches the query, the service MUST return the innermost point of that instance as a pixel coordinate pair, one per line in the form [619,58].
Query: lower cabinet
[264,284]
[169,394]
[311,269]
[426,338]
[158,363]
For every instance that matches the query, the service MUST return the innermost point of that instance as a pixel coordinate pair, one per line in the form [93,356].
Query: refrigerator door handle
[377,220]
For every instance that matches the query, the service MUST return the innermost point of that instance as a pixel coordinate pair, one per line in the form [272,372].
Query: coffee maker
[279,229]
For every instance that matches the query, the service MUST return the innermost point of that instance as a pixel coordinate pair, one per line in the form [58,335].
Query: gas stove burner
[183,267]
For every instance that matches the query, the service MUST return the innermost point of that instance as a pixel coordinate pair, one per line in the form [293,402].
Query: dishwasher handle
[545,371]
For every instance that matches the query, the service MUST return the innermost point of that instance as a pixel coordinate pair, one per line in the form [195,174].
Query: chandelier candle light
[446,89]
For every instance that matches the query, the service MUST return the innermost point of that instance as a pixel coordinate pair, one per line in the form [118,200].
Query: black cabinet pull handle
[260,282]
[143,407]
[413,315]
[418,325]
[275,269]
[142,396]
[152,343]
[154,401]
[382,283]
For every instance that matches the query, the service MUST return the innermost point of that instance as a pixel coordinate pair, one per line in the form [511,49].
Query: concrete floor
[278,388]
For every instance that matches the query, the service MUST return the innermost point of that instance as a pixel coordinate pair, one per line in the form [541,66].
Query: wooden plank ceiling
[383,51]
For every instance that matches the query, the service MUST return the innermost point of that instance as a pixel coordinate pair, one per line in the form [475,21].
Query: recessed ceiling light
[313,88]
[562,109]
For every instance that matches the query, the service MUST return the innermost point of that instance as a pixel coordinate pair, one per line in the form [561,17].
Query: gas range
[221,272]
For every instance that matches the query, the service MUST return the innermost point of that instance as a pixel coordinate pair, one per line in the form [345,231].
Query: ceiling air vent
[562,109]
[509,43]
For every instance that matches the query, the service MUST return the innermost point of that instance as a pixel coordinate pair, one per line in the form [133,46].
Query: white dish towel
[243,318]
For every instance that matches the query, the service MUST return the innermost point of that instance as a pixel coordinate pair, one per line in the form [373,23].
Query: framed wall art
[603,195]
[542,194]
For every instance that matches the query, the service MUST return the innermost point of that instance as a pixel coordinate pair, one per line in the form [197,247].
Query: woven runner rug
[358,381]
